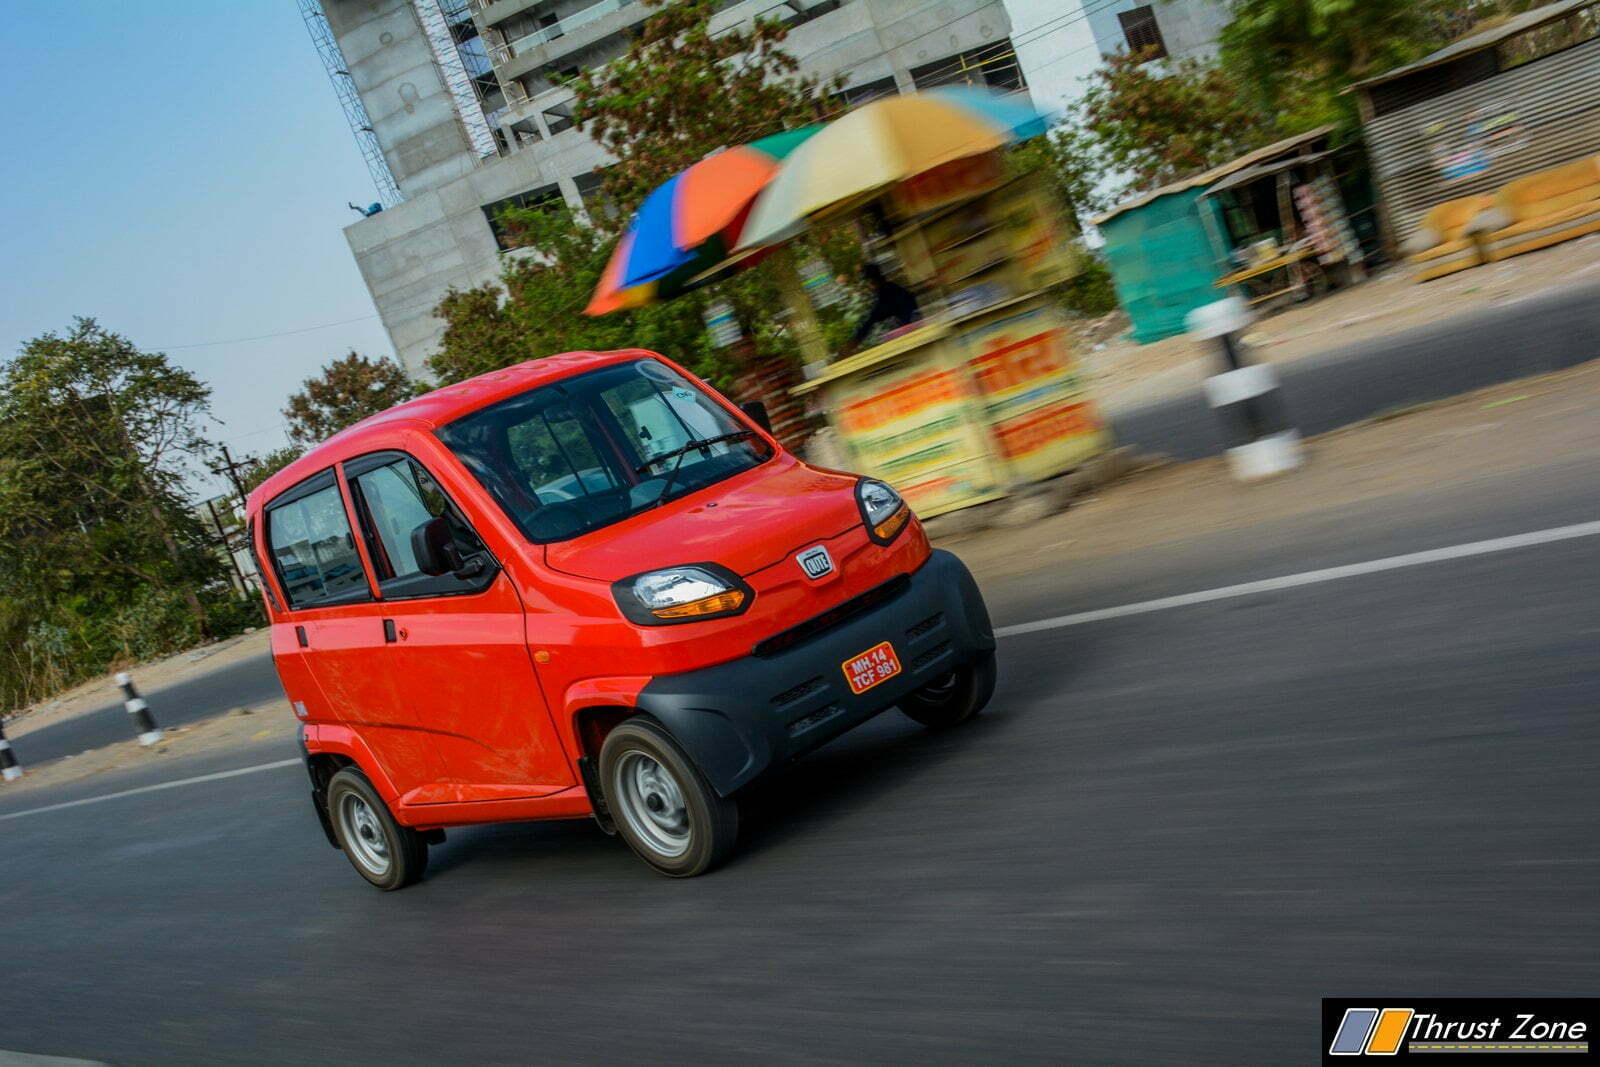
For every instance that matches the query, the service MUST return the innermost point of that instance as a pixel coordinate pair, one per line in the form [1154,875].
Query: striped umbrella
[878,144]
[688,226]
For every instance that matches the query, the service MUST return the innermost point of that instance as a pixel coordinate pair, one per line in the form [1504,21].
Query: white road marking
[1227,592]
[218,776]
[33,1059]
[1326,574]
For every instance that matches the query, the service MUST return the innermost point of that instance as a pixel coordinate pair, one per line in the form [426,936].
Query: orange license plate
[876,664]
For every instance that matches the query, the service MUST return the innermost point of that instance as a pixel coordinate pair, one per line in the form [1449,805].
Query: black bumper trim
[739,720]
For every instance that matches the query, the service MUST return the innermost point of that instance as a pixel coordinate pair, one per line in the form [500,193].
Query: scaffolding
[438,17]
[355,112]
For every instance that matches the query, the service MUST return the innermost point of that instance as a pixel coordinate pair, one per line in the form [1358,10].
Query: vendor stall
[1284,228]
[985,394]
[981,394]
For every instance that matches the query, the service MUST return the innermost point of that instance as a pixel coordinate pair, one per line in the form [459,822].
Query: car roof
[434,409]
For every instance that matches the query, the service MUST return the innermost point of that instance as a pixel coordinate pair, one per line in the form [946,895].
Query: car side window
[394,499]
[314,550]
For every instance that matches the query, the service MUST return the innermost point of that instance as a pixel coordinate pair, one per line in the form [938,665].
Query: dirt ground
[1508,427]
[1126,374]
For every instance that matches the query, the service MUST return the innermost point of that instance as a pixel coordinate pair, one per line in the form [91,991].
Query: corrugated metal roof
[1288,144]
[1478,41]
[1261,170]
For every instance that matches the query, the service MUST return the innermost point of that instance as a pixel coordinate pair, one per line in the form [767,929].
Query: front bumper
[737,720]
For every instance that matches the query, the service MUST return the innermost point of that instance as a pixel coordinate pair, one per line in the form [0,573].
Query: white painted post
[1255,423]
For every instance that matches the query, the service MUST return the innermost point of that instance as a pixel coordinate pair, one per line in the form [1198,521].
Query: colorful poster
[915,427]
[1038,410]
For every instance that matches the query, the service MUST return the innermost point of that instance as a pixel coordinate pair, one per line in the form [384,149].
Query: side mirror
[434,545]
[434,548]
[756,412]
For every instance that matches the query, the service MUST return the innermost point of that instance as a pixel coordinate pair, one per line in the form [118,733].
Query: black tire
[955,698]
[662,805]
[388,855]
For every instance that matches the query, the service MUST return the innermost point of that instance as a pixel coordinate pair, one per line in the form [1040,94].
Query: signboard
[960,179]
[1037,408]
[916,427]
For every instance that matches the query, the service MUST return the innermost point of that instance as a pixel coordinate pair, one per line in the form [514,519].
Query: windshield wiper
[701,443]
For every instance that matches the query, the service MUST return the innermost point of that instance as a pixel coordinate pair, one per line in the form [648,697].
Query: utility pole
[232,469]
[227,548]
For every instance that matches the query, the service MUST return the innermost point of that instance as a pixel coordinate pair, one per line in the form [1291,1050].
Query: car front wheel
[955,698]
[661,803]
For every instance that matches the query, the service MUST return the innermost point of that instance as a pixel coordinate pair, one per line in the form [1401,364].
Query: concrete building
[459,102]
[1179,28]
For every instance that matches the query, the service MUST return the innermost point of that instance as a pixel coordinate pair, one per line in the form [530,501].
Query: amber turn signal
[711,605]
[886,529]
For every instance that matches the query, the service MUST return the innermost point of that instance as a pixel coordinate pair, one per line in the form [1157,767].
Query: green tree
[265,466]
[1297,56]
[1159,122]
[348,390]
[679,93]
[537,309]
[96,437]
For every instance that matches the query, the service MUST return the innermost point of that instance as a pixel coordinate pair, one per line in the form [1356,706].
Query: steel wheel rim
[651,802]
[364,834]
[939,689]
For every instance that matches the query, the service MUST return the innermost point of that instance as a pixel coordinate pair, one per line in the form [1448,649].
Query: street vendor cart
[984,395]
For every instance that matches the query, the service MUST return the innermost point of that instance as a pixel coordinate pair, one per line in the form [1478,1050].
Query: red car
[590,586]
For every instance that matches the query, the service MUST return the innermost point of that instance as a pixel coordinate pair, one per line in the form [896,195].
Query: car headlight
[681,594]
[881,509]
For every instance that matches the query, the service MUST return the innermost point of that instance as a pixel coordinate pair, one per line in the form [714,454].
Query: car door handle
[389,634]
[300,636]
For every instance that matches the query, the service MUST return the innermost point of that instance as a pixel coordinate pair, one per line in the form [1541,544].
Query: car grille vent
[795,692]
[929,656]
[812,721]
[932,622]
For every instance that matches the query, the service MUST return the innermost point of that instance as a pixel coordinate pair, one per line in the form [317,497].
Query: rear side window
[313,549]
[395,496]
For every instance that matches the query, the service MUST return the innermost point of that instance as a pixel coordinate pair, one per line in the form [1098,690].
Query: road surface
[1499,343]
[1173,831]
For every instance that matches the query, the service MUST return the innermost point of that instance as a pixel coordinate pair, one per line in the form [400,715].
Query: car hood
[745,523]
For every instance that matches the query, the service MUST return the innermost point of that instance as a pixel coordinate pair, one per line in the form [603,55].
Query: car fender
[340,740]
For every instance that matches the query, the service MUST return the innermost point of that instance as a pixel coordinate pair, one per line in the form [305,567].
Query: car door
[332,636]
[456,646]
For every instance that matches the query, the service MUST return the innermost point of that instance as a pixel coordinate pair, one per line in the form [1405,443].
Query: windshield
[580,454]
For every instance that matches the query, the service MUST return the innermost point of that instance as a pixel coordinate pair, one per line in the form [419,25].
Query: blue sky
[179,171]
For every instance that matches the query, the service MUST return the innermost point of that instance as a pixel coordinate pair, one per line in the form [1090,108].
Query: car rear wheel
[388,855]
[661,803]
[955,698]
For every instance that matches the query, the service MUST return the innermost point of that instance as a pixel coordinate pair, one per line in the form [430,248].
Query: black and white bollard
[9,771]
[149,732]
[1255,422]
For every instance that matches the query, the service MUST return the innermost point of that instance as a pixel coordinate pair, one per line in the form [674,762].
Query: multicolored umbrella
[881,143]
[688,226]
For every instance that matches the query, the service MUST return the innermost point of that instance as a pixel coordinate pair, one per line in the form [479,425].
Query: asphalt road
[1534,335]
[1169,836]
[251,681]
